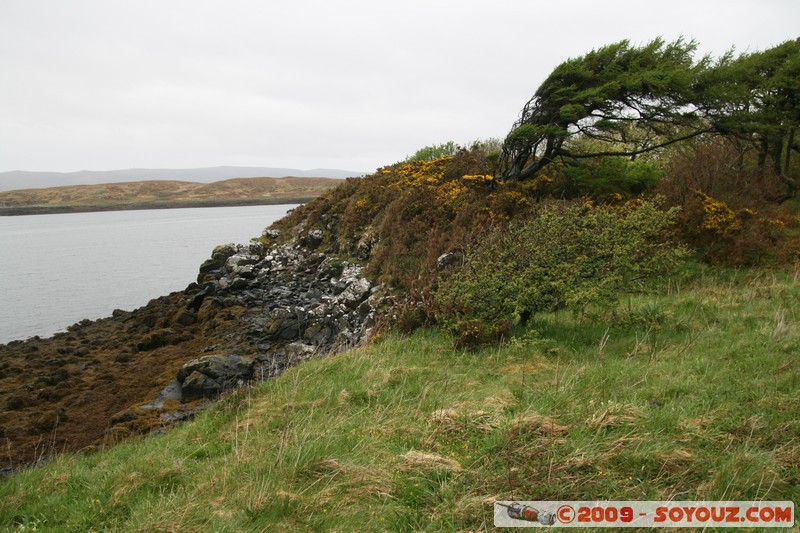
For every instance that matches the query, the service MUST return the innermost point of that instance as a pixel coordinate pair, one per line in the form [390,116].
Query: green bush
[434,151]
[608,176]
[566,255]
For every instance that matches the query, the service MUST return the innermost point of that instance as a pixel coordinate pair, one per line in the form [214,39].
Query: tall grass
[688,395]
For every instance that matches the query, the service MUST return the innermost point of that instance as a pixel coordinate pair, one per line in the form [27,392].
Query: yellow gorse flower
[717,216]
[478,177]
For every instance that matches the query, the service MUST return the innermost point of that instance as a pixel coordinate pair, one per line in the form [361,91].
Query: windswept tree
[625,100]
[757,99]
[633,99]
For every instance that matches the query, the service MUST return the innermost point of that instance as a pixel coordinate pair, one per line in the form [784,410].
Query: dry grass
[165,190]
[416,460]
[410,434]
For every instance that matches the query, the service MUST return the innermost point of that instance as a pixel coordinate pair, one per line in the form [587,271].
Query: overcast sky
[107,84]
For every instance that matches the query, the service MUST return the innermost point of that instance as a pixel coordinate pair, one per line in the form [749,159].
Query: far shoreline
[136,206]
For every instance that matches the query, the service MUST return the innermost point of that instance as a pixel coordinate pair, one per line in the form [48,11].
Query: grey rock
[328,269]
[283,323]
[320,326]
[210,265]
[199,385]
[365,245]
[170,392]
[246,271]
[235,262]
[355,293]
[298,229]
[312,239]
[212,374]
[338,286]
[298,302]
[239,284]
[197,298]
[255,248]
[450,259]
[299,350]
[223,252]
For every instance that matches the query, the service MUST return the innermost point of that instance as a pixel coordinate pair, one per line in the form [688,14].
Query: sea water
[56,270]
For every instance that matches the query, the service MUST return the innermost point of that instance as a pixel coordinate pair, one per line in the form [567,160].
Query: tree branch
[631,153]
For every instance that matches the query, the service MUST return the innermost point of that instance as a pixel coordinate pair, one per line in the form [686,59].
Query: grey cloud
[102,84]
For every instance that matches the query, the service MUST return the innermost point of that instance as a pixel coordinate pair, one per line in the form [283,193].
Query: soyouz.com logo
[643,514]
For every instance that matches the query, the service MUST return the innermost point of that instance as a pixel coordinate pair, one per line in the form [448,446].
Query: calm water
[56,270]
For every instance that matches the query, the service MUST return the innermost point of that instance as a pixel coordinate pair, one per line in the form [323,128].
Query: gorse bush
[566,255]
[741,237]
[411,213]
[401,219]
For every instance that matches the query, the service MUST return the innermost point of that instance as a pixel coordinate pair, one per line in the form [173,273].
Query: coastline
[129,206]
[253,311]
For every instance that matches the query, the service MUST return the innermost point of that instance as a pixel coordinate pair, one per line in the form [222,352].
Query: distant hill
[155,194]
[21,179]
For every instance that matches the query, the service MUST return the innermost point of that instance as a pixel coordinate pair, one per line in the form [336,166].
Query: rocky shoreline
[254,311]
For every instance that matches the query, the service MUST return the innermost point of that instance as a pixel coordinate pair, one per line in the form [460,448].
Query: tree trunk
[763,150]
[777,155]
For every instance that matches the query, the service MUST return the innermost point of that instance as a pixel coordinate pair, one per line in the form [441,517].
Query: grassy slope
[695,398]
[146,194]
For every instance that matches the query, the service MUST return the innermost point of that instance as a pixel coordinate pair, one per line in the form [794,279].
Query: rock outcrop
[211,375]
[255,310]
[291,294]
[290,303]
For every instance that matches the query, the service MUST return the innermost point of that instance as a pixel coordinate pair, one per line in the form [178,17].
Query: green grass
[691,394]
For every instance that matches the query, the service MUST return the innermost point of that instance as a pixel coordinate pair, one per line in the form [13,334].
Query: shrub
[567,255]
[434,151]
[742,237]
[610,176]
[722,168]
[474,334]
[411,213]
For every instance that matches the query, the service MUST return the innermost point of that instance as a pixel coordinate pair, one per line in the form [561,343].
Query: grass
[689,395]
